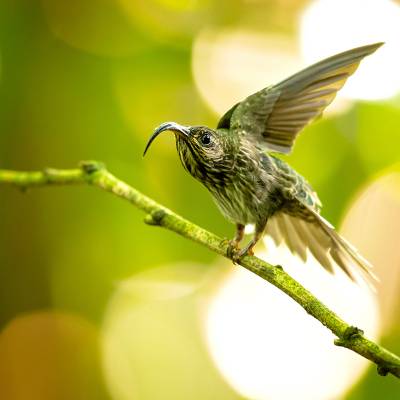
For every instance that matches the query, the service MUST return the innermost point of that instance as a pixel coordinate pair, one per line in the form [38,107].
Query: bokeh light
[373,223]
[174,21]
[96,26]
[229,65]
[257,335]
[146,99]
[152,343]
[47,356]
[91,79]
[331,26]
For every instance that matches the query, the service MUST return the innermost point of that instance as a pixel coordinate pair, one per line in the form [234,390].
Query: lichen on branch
[94,173]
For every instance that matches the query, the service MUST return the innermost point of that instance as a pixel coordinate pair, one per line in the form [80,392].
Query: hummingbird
[238,163]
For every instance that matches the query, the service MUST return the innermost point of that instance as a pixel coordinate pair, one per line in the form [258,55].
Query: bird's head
[203,151]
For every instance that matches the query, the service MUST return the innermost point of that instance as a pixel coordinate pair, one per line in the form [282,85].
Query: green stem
[94,173]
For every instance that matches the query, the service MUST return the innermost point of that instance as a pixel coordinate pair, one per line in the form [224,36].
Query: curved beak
[167,126]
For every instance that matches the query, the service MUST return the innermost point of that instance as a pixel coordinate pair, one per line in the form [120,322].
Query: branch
[94,173]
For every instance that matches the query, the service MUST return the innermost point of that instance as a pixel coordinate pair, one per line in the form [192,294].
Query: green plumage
[252,186]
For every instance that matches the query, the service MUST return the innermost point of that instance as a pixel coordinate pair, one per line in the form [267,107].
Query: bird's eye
[205,139]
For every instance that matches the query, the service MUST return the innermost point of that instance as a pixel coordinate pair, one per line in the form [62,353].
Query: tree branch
[94,173]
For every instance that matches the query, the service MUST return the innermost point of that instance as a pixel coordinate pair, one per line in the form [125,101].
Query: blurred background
[94,304]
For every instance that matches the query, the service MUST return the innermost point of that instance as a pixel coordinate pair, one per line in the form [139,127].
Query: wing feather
[274,116]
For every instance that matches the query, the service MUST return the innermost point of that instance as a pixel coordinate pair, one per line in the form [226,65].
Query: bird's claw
[235,254]
[245,252]
[233,247]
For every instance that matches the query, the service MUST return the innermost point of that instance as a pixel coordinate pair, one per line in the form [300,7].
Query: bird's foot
[233,247]
[238,254]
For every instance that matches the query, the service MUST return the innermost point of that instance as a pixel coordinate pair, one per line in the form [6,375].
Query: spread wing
[315,234]
[275,115]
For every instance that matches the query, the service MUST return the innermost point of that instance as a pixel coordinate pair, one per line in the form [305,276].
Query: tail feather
[294,231]
[275,231]
[322,241]
[317,244]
